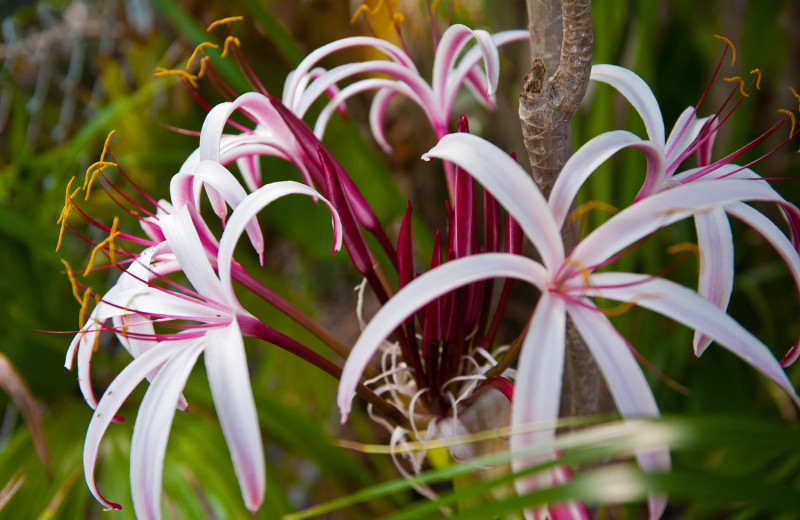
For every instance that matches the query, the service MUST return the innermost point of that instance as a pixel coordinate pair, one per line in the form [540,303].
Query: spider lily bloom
[694,136]
[308,82]
[206,319]
[568,286]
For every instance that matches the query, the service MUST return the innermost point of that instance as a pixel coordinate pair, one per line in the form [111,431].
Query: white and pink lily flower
[308,82]
[166,327]
[695,136]
[568,286]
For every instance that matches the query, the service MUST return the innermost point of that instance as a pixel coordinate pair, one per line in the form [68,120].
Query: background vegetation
[72,71]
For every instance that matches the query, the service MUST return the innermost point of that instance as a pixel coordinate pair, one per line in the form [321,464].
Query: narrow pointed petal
[773,234]
[151,430]
[537,389]
[715,245]
[626,381]
[638,93]
[113,398]
[223,182]
[228,377]
[590,156]
[248,209]
[683,134]
[185,243]
[662,209]
[510,185]
[297,80]
[686,306]
[417,294]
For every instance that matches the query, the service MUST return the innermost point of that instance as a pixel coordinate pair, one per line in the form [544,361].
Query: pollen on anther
[113,233]
[68,205]
[224,21]
[731,45]
[589,206]
[741,84]
[790,115]
[84,304]
[228,41]
[757,72]
[98,167]
[198,50]
[72,281]
[683,247]
[191,78]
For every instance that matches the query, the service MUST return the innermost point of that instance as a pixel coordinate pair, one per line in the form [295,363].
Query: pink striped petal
[229,379]
[248,209]
[151,430]
[590,156]
[715,282]
[634,88]
[686,306]
[113,398]
[510,185]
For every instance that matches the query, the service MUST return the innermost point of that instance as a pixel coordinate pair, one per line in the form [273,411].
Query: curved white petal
[330,78]
[638,93]
[185,243]
[589,157]
[116,394]
[683,134]
[662,209]
[297,79]
[382,84]
[417,294]
[151,430]
[491,65]
[229,379]
[685,306]
[537,389]
[215,175]
[510,185]
[377,111]
[626,381]
[248,209]
[773,234]
[715,281]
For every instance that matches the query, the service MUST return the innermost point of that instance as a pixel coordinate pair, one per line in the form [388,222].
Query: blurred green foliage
[73,71]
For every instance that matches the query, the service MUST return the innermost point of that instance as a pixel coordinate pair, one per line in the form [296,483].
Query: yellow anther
[84,304]
[109,240]
[795,94]
[589,206]
[228,41]
[757,72]
[191,78]
[68,205]
[581,267]
[434,6]
[741,84]
[225,21]
[72,281]
[682,247]
[398,17]
[363,8]
[730,44]
[790,115]
[203,65]
[98,167]
[617,310]
[198,50]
